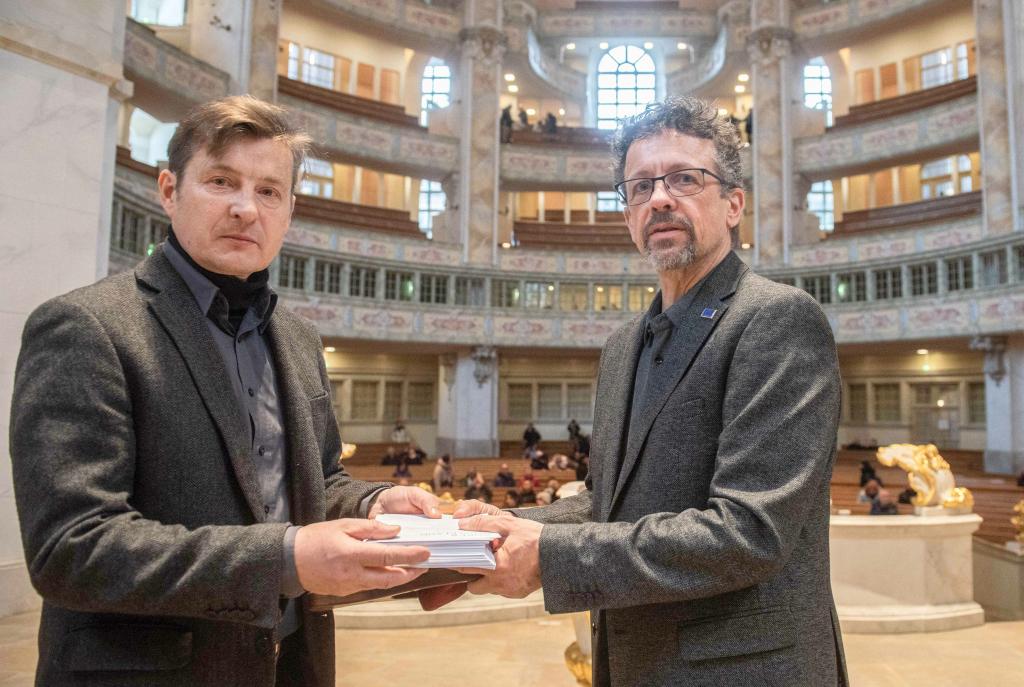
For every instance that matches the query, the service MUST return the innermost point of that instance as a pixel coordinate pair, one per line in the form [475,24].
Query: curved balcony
[729,47]
[168,81]
[654,22]
[943,128]
[412,22]
[846,20]
[367,133]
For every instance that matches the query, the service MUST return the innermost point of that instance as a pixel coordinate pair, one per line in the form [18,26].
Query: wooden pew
[890,107]
[386,220]
[905,215]
[352,104]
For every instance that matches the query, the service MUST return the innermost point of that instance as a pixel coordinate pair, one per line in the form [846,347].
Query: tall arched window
[821,202]
[435,89]
[625,84]
[818,87]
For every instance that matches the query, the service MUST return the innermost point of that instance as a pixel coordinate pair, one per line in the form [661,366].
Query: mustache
[667,218]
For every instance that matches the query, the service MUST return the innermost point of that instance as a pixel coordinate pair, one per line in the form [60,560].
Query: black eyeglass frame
[620,188]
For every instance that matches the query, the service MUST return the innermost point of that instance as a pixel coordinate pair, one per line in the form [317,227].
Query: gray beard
[675,259]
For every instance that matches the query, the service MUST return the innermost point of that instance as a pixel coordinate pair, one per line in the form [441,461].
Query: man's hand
[465,509]
[332,558]
[409,500]
[517,556]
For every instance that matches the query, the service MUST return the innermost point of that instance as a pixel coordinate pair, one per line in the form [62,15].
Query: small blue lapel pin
[708,313]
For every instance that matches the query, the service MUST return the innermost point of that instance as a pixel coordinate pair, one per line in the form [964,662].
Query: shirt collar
[656,321]
[208,296]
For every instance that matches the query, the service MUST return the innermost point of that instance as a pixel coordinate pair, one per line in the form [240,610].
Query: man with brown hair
[174,446]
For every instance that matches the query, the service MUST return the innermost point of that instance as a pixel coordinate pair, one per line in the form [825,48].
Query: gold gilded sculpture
[928,474]
[1018,521]
[579,664]
[348,450]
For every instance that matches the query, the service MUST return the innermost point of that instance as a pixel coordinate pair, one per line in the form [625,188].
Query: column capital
[484,43]
[485,359]
[994,348]
[769,44]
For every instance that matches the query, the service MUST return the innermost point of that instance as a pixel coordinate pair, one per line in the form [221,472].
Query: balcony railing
[575,236]
[357,216]
[889,107]
[910,214]
[576,137]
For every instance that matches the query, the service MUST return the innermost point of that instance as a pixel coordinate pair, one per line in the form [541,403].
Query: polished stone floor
[523,653]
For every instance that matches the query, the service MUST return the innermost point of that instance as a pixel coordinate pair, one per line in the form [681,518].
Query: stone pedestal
[769,48]
[903,573]
[479,83]
[468,404]
[999,579]
[62,82]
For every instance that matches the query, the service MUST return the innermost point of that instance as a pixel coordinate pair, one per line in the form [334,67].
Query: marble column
[239,38]
[467,418]
[1004,402]
[997,168]
[483,45]
[264,28]
[769,49]
[1013,22]
[61,75]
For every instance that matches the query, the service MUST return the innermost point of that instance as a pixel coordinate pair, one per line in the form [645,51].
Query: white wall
[56,183]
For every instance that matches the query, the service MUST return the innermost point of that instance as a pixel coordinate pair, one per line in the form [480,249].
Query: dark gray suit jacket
[140,514]
[705,556]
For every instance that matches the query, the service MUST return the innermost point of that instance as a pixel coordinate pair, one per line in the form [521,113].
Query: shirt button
[659,360]
[251,392]
[262,450]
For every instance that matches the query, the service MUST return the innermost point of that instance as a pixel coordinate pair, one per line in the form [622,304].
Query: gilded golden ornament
[348,450]
[578,664]
[929,475]
[1018,521]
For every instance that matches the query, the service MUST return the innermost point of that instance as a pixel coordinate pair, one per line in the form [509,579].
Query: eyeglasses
[680,183]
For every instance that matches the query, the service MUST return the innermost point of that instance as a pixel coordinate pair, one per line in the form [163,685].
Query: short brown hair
[217,124]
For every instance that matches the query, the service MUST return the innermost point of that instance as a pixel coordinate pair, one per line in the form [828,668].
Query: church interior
[457,242]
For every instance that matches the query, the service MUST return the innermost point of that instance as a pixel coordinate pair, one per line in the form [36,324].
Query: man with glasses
[701,543]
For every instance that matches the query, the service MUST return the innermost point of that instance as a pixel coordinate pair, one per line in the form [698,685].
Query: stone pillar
[483,45]
[1004,402]
[1013,21]
[467,418]
[239,38]
[993,118]
[62,78]
[262,45]
[769,48]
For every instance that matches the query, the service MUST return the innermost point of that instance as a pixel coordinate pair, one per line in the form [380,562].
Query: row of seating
[906,215]
[514,448]
[357,216]
[344,102]
[890,107]
[557,216]
[562,236]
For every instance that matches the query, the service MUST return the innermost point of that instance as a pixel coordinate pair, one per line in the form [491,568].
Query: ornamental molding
[483,43]
[767,45]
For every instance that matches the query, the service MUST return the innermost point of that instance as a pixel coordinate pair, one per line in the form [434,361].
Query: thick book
[435,577]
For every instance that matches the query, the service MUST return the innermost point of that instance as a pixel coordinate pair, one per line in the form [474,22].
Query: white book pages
[449,546]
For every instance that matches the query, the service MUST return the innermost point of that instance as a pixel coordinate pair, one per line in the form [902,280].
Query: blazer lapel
[696,326]
[295,386]
[176,309]
[622,363]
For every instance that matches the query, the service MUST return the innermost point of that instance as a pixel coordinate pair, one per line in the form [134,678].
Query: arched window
[435,89]
[432,200]
[818,87]
[625,84]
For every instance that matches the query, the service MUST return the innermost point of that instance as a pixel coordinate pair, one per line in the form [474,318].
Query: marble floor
[523,653]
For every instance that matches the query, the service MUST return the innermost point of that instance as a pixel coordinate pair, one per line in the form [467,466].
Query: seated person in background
[884,504]
[504,478]
[531,437]
[574,429]
[402,469]
[511,499]
[538,460]
[391,457]
[552,490]
[470,478]
[543,498]
[415,454]
[527,496]
[582,466]
[399,434]
[479,489]
[906,496]
[444,476]
[870,491]
[559,461]
[867,472]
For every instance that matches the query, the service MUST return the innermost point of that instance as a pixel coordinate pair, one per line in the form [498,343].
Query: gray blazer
[140,514]
[705,556]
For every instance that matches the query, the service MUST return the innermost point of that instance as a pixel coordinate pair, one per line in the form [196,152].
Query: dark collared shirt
[250,367]
[657,330]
